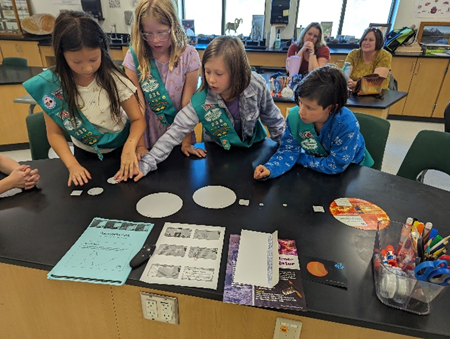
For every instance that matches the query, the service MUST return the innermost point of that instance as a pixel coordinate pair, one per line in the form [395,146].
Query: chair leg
[421,176]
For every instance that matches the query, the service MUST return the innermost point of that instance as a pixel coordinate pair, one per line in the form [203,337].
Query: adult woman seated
[370,58]
[311,48]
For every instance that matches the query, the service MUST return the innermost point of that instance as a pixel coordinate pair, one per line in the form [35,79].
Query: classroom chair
[375,131]
[447,118]
[37,136]
[427,151]
[14,61]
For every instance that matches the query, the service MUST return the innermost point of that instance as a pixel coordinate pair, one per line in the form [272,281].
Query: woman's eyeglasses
[161,37]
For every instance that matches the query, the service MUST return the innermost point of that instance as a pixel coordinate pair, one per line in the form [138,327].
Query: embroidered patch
[213,114]
[207,107]
[309,144]
[49,101]
[150,85]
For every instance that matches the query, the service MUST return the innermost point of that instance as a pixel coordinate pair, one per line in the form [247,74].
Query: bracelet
[312,53]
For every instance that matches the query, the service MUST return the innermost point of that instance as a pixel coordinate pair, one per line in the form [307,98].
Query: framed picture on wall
[384,28]
[257,33]
[434,33]
[327,27]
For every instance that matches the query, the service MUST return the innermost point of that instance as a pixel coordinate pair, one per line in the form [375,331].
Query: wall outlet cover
[159,307]
[287,329]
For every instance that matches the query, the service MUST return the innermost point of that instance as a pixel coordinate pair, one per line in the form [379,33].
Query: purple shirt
[233,107]
[174,82]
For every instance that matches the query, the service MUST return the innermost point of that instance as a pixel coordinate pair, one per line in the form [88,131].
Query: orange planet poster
[357,213]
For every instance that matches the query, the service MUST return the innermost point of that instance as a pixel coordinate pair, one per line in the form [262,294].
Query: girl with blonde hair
[163,67]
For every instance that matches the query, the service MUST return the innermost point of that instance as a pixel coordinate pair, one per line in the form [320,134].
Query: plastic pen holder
[393,288]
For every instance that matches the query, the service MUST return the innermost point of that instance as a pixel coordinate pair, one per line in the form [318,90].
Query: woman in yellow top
[370,58]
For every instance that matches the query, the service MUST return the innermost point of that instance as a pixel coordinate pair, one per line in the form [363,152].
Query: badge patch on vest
[49,101]
[150,85]
[213,114]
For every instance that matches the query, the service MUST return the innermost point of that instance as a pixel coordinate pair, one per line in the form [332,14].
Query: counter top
[39,226]
[13,75]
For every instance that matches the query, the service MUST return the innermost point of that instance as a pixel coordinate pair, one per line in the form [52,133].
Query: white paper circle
[159,205]
[112,181]
[95,191]
[214,197]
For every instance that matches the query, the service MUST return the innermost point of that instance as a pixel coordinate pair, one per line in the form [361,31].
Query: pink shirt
[174,83]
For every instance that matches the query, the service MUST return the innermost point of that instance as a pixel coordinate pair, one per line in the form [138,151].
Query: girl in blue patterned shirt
[320,132]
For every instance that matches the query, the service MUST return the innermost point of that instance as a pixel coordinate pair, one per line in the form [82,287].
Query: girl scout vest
[306,136]
[216,122]
[155,93]
[45,88]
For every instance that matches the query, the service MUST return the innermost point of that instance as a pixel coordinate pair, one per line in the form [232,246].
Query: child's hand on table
[261,172]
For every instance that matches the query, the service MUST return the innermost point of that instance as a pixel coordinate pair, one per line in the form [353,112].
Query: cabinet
[22,49]
[426,82]
[337,59]
[11,14]
[402,70]
[443,98]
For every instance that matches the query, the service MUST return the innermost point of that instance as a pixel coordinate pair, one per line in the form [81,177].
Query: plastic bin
[402,292]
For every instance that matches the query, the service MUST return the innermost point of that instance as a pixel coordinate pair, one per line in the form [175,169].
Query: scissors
[436,272]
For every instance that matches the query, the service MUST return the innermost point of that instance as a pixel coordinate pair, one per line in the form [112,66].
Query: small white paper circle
[112,181]
[95,191]
[159,205]
[214,197]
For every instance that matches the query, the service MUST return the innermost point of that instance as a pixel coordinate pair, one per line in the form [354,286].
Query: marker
[406,231]
[440,242]
[427,231]
[436,240]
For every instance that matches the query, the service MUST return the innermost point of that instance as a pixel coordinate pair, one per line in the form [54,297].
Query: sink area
[117,40]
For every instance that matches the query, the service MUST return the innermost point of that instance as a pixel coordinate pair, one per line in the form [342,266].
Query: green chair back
[37,136]
[375,131]
[428,151]
[13,61]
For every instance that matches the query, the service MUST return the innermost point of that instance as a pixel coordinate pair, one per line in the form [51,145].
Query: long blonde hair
[164,12]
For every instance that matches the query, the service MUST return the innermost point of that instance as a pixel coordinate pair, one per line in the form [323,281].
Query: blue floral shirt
[340,137]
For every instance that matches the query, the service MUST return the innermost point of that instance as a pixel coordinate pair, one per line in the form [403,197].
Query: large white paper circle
[159,205]
[214,197]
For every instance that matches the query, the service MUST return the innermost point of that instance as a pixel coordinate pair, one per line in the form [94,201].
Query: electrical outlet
[159,308]
[287,329]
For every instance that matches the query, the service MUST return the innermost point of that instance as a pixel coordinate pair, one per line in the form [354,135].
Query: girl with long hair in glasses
[163,67]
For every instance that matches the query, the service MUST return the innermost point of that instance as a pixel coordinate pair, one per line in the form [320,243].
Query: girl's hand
[140,151]
[128,163]
[188,149]
[78,175]
[19,175]
[136,173]
[32,179]
[261,172]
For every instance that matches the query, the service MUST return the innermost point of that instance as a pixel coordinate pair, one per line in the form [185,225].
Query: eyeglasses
[161,37]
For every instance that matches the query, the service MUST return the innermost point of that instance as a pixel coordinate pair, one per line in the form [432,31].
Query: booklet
[103,252]
[287,294]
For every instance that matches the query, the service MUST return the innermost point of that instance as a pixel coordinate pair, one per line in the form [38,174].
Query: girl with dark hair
[369,58]
[232,104]
[311,48]
[321,133]
[85,94]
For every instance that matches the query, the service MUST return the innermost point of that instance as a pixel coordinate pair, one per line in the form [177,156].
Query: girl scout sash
[218,125]
[45,88]
[155,93]
[306,136]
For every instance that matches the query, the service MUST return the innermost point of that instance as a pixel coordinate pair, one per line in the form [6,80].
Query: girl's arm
[270,114]
[190,86]
[132,75]
[78,175]
[184,123]
[283,160]
[129,162]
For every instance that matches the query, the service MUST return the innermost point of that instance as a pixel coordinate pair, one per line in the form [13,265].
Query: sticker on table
[215,197]
[159,205]
[357,213]
[324,271]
